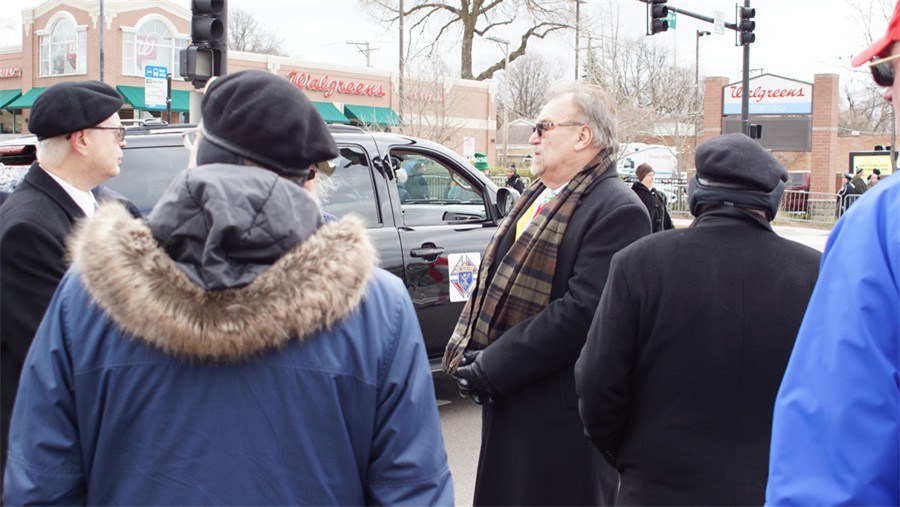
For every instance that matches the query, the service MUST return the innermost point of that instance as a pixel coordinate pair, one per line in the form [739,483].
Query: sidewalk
[809,236]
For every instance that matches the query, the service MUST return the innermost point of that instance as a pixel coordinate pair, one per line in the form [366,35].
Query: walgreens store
[66,40]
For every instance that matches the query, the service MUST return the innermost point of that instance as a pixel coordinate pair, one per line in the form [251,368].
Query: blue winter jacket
[836,428]
[309,385]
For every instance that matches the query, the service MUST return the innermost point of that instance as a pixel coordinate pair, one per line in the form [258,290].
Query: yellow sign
[867,162]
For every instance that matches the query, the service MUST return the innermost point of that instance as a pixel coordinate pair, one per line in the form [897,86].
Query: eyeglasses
[189,138]
[120,131]
[882,71]
[543,126]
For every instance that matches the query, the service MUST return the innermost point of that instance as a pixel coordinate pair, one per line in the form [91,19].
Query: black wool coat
[677,380]
[656,206]
[533,448]
[35,222]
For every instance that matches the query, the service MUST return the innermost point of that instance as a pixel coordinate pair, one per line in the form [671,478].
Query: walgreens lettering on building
[769,94]
[330,86]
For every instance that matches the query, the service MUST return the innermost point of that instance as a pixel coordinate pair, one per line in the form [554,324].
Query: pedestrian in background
[679,373]
[80,141]
[513,180]
[232,350]
[654,200]
[836,429]
[516,342]
[859,184]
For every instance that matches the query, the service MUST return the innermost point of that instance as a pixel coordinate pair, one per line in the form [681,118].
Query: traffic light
[658,14]
[208,52]
[746,25]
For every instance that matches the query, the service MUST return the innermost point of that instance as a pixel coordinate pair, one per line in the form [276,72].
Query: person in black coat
[533,450]
[513,180]
[653,200]
[679,372]
[80,145]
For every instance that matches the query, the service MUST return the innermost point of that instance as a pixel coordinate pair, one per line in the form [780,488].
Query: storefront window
[63,49]
[151,44]
[11,121]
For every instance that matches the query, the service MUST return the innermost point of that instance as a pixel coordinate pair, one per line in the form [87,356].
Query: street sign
[671,19]
[155,87]
[719,22]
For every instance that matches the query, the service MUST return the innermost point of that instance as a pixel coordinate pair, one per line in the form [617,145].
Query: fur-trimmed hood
[310,288]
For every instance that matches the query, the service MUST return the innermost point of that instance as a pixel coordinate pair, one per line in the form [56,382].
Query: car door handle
[428,252]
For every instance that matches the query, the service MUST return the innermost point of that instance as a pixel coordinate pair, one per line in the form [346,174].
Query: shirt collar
[84,200]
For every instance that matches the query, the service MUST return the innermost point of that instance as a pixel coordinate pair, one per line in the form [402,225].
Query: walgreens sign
[330,86]
[769,94]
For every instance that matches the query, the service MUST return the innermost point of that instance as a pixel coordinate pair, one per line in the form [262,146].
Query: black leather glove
[471,379]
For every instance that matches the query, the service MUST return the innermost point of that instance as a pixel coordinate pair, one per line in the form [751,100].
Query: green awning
[372,115]
[134,95]
[25,101]
[7,96]
[330,113]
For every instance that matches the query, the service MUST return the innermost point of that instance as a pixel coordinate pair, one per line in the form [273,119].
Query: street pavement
[461,419]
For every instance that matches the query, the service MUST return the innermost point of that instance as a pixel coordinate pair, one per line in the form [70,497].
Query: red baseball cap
[876,49]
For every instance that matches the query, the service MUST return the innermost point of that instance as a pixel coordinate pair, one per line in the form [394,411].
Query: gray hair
[52,150]
[595,105]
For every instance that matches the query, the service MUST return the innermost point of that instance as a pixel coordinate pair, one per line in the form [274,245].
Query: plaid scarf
[523,280]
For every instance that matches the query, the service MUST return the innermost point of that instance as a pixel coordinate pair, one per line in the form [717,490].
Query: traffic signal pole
[744,37]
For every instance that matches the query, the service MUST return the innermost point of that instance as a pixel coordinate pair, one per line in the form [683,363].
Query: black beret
[72,106]
[266,119]
[737,161]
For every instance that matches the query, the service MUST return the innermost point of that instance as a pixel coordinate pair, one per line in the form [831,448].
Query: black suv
[428,211]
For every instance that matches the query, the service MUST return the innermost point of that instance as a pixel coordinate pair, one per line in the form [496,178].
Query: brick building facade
[61,41]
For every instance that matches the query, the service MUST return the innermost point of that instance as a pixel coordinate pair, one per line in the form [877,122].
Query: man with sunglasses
[836,428]
[231,349]
[516,342]
[80,141]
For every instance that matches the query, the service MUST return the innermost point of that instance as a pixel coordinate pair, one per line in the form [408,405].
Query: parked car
[433,242]
[795,199]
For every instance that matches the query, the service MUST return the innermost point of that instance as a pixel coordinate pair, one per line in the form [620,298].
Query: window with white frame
[152,43]
[63,49]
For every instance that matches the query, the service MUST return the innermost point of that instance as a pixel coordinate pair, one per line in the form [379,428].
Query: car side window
[350,189]
[433,192]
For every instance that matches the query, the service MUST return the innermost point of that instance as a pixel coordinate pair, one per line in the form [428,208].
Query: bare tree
[246,34]
[435,22]
[863,107]
[430,103]
[525,82]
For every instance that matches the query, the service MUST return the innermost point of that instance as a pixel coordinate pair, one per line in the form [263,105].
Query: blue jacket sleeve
[409,461]
[835,429]
[44,465]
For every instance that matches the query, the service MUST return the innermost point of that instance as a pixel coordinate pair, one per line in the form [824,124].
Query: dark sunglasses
[883,70]
[543,126]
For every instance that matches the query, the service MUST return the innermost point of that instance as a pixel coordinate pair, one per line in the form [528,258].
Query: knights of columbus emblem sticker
[463,275]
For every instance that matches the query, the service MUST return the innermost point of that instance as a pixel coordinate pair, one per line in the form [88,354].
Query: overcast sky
[795,38]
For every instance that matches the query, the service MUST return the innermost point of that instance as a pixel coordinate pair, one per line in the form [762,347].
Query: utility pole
[577,34]
[102,30]
[368,52]
[400,81]
[700,33]
[506,106]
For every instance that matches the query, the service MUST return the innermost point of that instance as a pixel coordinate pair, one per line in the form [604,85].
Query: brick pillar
[825,117]
[712,106]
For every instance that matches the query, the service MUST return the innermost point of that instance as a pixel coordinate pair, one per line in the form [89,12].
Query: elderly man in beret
[678,376]
[233,349]
[80,141]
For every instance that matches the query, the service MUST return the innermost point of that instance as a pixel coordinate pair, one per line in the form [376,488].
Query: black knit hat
[264,118]
[737,161]
[72,106]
